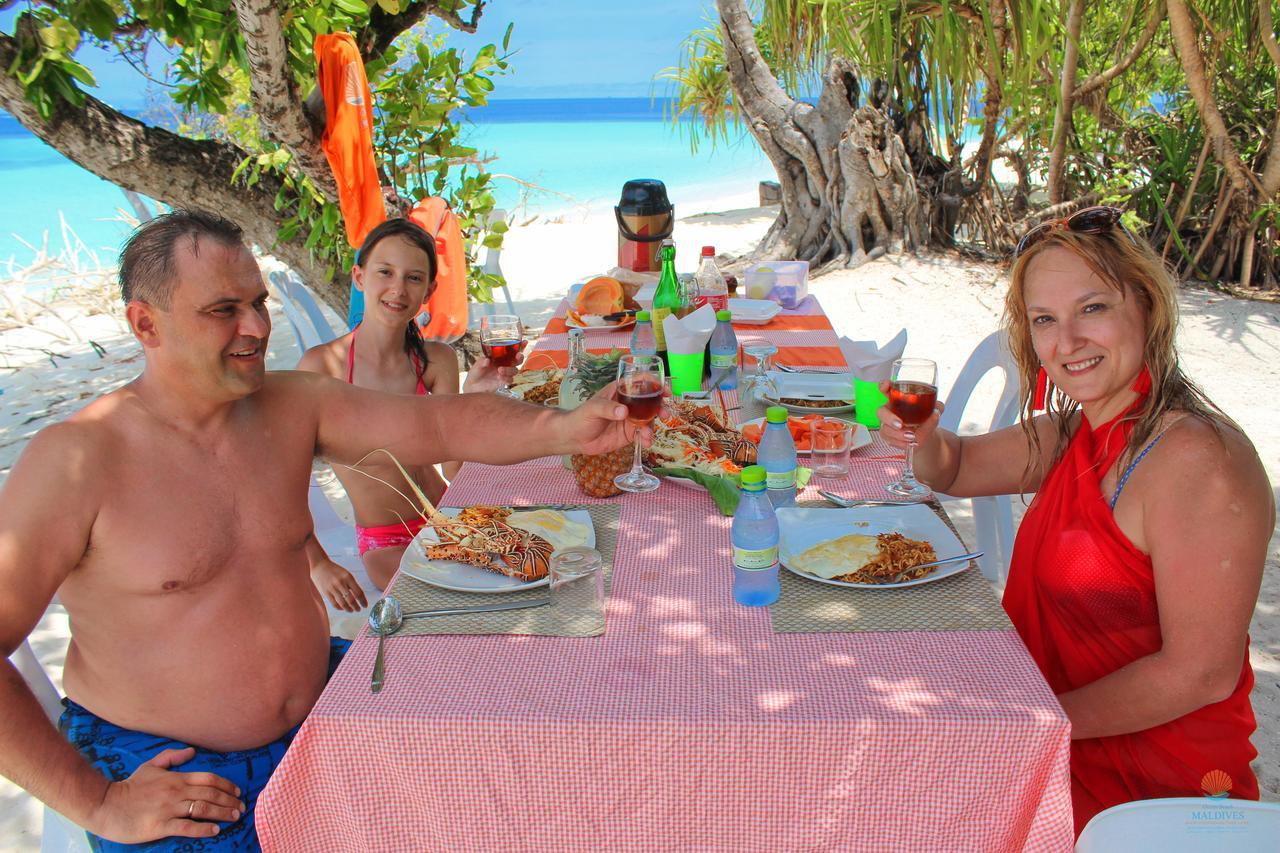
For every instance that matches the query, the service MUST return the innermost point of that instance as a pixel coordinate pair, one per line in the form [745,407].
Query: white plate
[461,577]
[753,312]
[813,386]
[802,528]
[861,435]
[612,327]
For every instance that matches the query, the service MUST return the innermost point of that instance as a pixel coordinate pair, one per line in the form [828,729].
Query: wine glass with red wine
[640,383]
[500,339]
[913,393]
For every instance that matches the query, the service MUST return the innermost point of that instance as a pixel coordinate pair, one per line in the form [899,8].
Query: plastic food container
[785,282]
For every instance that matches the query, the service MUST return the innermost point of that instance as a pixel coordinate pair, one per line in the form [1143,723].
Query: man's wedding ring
[191,807]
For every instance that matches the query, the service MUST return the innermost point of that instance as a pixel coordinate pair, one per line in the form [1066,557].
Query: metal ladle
[385,618]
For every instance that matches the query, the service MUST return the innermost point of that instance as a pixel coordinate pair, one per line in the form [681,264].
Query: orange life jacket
[348,133]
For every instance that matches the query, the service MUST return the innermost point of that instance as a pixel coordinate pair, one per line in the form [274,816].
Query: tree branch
[1184,39]
[1062,116]
[383,29]
[1268,27]
[155,162]
[275,94]
[1097,81]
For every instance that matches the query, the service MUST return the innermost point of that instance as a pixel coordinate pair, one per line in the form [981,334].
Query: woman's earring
[1042,390]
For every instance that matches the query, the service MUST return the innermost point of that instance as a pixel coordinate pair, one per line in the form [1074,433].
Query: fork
[849,502]
[898,578]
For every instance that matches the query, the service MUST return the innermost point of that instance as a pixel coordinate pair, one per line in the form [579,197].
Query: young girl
[396,270]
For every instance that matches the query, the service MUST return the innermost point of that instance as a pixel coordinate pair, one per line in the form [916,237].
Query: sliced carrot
[752,433]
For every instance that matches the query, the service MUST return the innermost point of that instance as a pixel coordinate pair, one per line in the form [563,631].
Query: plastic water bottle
[755,543]
[643,341]
[777,455]
[712,289]
[724,350]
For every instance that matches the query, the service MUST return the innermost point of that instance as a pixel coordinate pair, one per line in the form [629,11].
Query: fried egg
[837,557]
[555,527]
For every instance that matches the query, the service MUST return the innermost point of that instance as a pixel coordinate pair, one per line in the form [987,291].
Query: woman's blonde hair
[1131,267]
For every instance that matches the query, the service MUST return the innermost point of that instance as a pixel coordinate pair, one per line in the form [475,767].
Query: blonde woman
[1137,566]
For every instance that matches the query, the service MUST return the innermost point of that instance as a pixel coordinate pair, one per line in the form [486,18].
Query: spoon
[385,618]
[849,502]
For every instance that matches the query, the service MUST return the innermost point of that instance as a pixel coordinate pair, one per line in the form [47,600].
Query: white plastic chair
[60,835]
[1184,825]
[992,516]
[301,309]
[339,541]
[493,266]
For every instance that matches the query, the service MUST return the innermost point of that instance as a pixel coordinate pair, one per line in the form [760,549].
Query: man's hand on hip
[157,802]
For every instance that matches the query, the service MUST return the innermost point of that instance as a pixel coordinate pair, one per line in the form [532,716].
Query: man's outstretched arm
[489,428]
[47,510]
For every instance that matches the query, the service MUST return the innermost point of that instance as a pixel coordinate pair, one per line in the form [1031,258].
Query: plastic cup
[686,371]
[830,443]
[867,400]
[577,588]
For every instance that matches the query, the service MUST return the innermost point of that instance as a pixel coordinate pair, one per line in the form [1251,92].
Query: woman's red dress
[1083,599]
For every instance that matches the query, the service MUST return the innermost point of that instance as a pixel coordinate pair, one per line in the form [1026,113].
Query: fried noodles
[894,563]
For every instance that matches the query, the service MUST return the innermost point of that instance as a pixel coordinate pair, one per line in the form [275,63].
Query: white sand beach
[948,305]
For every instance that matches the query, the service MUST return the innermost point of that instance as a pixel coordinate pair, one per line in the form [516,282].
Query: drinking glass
[640,382]
[830,443]
[913,393]
[758,385]
[500,339]
[577,587]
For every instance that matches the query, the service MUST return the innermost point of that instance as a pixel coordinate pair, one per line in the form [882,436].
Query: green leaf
[352,7]
[724,489]
[391,7]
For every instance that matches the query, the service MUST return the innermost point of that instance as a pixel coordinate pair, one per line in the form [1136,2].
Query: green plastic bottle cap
[724,315]
[642,316]
[776,415]
[753,475]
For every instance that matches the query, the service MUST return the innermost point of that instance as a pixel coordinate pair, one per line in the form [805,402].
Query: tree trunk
[1239,177]
[1062,116]
[179,171]
[848,190]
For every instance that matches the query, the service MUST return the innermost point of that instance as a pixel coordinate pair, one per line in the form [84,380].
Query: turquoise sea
[579,150]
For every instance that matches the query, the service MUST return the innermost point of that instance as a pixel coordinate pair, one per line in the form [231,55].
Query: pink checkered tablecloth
[690,725]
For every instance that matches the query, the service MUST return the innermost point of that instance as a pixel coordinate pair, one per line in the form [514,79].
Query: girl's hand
[338,585]
[892,430]
[483,376]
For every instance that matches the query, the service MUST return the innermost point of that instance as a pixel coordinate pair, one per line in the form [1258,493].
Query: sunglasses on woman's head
[1090,220]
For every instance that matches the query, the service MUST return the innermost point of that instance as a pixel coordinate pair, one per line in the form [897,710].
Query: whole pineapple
[594,474]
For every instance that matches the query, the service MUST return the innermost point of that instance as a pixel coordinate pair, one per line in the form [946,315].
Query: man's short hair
[148,270]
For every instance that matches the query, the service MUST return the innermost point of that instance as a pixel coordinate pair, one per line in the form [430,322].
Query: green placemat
[961,602]
[549,621]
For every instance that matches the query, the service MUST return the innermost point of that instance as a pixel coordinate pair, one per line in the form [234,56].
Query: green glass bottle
[666,299]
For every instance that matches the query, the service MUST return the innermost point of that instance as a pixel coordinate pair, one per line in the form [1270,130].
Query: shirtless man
[171,517]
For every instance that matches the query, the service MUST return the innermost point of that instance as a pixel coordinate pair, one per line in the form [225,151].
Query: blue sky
[564,48]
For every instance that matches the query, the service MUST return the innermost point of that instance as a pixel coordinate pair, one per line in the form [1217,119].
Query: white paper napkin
[870,362]
[690,334]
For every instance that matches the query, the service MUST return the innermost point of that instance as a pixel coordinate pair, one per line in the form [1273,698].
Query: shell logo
[352,90]
[1215,784]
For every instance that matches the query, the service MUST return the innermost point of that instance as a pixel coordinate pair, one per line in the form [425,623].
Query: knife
[619,316]
[480,608]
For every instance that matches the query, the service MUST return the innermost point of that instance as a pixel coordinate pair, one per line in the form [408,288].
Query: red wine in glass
[502,353]
[912,402]
[642,395]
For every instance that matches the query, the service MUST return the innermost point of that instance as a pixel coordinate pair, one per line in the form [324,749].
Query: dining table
[910,719]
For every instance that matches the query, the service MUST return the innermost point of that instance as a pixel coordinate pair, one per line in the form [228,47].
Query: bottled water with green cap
[755,543]
[778,456]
